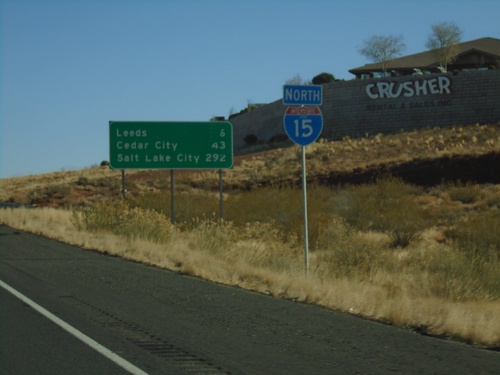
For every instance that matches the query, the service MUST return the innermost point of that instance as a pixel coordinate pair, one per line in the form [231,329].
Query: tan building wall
[359,107]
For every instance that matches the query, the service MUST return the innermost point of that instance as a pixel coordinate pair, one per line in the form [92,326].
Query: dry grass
[422,286]
[421,258]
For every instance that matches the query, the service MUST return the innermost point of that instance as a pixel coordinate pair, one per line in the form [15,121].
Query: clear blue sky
[67,67]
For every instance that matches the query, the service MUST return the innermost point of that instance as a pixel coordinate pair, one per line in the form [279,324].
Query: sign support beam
[172,197]
[304,205]
[123,184]
[221,196]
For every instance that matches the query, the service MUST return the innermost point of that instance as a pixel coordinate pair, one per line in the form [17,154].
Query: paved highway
[57,301]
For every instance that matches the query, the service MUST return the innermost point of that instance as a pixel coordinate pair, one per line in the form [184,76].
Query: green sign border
[170,145]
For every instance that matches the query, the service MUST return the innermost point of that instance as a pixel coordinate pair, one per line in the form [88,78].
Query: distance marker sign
[303,125]
[170,145]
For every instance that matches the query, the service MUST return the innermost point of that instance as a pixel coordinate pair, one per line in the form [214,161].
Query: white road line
[123,363]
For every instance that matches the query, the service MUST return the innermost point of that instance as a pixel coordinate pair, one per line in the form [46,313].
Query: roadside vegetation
[425,258]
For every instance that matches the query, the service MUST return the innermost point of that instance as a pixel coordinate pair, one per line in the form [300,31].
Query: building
[467,94]
[478,54]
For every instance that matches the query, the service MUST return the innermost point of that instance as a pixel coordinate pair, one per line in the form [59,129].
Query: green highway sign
[170,145]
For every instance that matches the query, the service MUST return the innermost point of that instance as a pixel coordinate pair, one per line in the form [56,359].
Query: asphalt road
[166,323]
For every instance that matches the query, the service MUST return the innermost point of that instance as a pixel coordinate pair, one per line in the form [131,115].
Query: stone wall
[359,107]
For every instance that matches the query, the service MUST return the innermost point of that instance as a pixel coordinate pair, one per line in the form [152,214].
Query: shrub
[211,236]
[109,183]
[261,245]
[116,217]
[83,181]
[387,206]
[250,139]
[102,216]
[186,206]
[452,275]
[478,236]
[323,78]
[280,206]
[465,193]
[342,252]
[102,182]
[49,193]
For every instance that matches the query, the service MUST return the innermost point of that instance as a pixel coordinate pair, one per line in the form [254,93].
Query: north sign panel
[170,145]
[303,95]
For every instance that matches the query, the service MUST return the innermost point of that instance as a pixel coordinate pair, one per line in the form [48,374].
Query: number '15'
[303,128]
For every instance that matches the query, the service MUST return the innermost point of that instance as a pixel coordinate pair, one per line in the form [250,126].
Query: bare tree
[296,80]
[382,49]
[443,40]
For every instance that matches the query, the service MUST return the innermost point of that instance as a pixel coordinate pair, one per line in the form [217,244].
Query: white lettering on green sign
[171,145]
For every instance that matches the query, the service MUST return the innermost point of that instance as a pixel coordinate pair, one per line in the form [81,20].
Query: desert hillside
[426,157]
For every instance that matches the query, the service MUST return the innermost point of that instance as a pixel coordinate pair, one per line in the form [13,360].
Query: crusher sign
[170,145]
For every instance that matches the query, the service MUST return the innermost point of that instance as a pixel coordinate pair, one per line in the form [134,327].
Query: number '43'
[219,145]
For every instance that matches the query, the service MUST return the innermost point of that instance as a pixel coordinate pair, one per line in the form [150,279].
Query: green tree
[323,78]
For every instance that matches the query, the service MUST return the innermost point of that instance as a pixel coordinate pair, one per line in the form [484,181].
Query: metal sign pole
[123,183]
[304,203]
[221,196]
[172,213]
[303,126]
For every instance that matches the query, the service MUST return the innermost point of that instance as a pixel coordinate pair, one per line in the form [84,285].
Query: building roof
[489,48]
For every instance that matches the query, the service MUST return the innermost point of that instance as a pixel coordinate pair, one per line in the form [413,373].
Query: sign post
[303,125]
